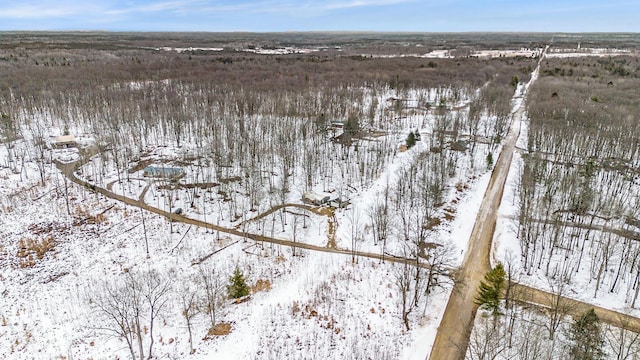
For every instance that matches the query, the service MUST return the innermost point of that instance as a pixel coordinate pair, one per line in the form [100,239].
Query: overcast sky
[316,15]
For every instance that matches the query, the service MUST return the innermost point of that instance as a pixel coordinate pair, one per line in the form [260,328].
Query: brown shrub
[29,249]
[261,285]
[432,223]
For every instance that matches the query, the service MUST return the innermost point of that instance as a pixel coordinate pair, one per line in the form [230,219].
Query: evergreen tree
[491,288]
[237,287]
[586,338]
[411,140]
[514,81]
[489,160]
[352,126]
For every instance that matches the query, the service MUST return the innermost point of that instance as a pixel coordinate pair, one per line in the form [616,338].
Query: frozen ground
[62,247]
[318,305]
[343,308]
[508,250]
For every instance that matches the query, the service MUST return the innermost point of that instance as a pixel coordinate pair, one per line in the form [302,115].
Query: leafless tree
[379,216]
[354,217]
[189,295]
[155,290]
[560,307]
[132,306]
[486,342]
[624,344]
[117,305]
[403,273]
[213,292]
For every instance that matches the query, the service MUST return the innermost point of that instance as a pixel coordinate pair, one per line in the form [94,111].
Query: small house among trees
[163,172]
[64,141]
[339,203]
[315,199]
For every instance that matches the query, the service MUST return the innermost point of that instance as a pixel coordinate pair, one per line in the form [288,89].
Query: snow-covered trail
[529,295]
[457,322]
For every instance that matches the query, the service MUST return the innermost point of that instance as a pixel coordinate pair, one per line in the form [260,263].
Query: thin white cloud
[82,9]
[161,6]
[297,8]
[25,11]
[103,10]
[363,3]
[230,8]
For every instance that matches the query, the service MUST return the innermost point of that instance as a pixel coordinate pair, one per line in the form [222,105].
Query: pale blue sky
[329,15]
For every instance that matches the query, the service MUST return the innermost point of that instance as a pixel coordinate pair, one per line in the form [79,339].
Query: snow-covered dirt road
[455,328]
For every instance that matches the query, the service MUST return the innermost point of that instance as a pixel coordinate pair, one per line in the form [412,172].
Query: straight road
[455,327]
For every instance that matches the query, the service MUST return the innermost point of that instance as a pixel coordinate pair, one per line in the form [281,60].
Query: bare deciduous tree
[132,306]
[213,292]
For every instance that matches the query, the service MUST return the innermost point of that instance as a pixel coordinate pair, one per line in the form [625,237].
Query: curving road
[68,170]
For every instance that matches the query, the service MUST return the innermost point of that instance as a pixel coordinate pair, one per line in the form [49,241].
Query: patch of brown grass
[307,311]
[261,285]
[449,213]
[219,329]
[460,186]
[83,216]
[31,249]
[432,223]
[295,308]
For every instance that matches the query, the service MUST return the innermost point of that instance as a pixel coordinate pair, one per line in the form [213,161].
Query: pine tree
[586,338]
[411,139]
[491,288]
[514,81]
[489,160]
[237,287]
[352,126]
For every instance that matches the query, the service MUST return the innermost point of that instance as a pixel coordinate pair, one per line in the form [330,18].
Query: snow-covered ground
[508,249]
[319,304]
[582,52]
[63,247]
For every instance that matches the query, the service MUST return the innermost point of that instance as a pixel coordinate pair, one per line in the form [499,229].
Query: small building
[315,199]
[163,172]
[64,141]
[403,148]
[339,203]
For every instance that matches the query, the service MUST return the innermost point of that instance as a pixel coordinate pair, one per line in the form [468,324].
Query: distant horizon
[281,16]
[551,32]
